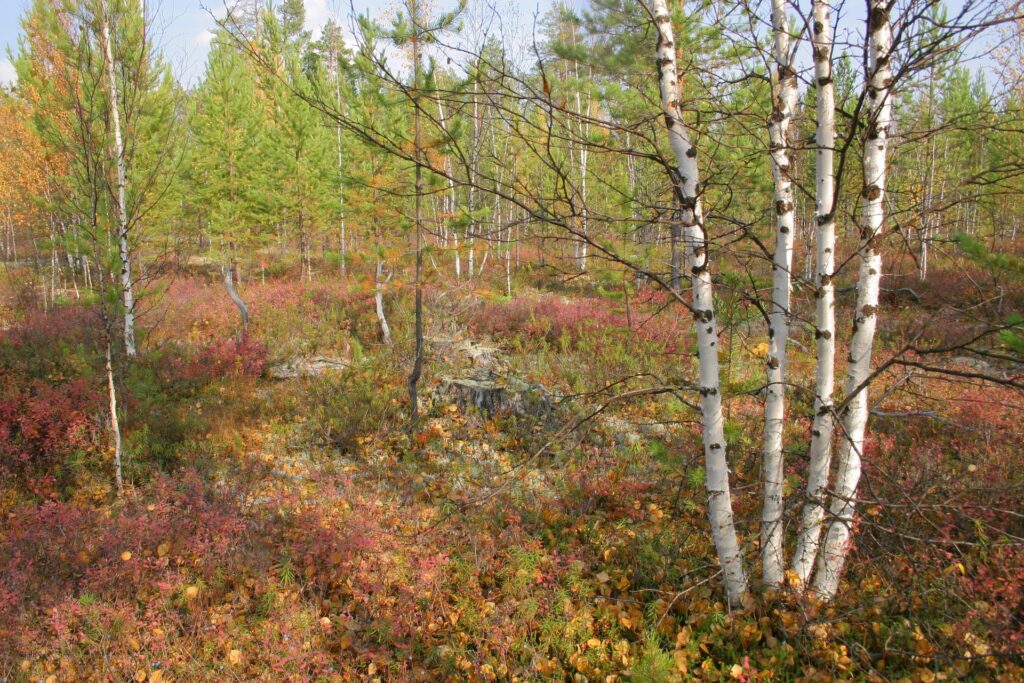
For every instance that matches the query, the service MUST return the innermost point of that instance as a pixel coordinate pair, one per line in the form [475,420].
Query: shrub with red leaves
[246,357]
[41,424]
[553,318]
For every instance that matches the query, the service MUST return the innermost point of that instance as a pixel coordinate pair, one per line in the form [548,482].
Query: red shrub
[42,424]
[57,551]
[247,357]
[553,318]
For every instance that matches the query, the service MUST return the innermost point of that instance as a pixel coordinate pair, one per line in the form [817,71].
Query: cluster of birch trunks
[824,529]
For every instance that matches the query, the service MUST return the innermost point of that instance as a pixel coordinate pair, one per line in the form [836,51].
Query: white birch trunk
[451,202]
[378,300]
[716,466]
[822,427]
[128,298]
[783,104]
[583,131]
[115,425]
[474,157]
[855,415]
[341,166]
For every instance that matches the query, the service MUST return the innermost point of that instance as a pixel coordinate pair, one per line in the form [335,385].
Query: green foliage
[346,407]
[1001,266]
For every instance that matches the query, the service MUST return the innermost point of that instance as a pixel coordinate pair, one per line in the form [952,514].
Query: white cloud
[204,37]
[317,14]
[8,76]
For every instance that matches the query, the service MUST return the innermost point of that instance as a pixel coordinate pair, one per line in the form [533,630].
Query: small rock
[306,367]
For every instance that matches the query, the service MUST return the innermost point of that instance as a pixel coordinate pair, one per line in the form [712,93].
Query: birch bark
[716,466]
[784,87]
[822,427]
[855,415]
[128,297]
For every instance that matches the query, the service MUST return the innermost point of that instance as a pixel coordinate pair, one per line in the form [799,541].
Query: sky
[185,27]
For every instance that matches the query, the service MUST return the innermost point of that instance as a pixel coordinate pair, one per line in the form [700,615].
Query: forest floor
[297,529]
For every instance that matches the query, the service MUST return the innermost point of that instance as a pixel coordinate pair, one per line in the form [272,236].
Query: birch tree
[855,413]
[127,296]
[820,455]
[784,98]
[716,465]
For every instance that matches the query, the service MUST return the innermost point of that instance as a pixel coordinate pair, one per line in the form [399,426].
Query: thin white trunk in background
[822,427]
[508,251]
[783,104]
[115,425]
[378,299]
[474,156]
[716,467]
[128,297]
[341,165]
[927,215]
[450,202]
[583,131]
[855,415]
[243,311]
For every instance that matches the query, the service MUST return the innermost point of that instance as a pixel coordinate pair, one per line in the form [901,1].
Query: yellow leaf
[760,350]
[235,657]
[163,549]
[736,671]
[126,555]
[594,643]
[191,592]
[140,675]
[156,676]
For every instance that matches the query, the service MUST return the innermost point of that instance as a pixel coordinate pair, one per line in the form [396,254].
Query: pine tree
[231,184]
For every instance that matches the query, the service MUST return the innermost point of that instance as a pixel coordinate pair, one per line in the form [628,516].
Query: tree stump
[493,395]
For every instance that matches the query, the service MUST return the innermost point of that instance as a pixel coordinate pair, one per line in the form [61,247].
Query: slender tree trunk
[583,131]
[773,471]
[341,170]
[451,202]
[128,297]
[716,465]
[115,425]
[417,364]
[378,299]
[820,456]
[855,415]
[243,310]
[474,156]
